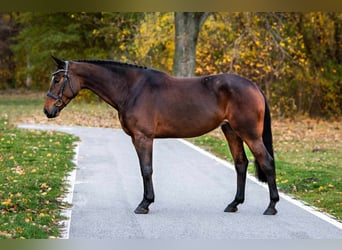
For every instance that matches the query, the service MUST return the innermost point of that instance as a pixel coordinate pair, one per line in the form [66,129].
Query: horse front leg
[144,147]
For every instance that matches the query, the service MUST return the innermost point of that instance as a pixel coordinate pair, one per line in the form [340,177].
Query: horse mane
[109,63]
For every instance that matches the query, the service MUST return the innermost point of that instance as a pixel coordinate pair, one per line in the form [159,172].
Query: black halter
[59,99]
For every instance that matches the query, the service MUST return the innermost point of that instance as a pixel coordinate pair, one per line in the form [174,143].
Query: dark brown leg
[267,165]
[241,162]
[144,147]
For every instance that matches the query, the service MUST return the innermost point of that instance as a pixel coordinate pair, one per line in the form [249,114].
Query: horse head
[64,87]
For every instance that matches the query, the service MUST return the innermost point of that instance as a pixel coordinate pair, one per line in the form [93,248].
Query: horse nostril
[48,114]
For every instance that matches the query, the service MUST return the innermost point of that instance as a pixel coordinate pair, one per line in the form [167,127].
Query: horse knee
[146,171]
[241,166]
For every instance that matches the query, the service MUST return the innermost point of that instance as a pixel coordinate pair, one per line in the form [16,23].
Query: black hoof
[270,211]
[141,210]
[230,209]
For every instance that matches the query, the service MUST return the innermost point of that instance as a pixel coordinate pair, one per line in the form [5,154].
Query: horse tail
[268,141]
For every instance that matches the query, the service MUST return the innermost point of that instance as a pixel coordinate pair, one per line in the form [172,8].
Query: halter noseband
[59,99]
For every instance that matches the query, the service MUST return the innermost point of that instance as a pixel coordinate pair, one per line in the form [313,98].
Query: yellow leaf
[7,202]
[236,67]
[259,65]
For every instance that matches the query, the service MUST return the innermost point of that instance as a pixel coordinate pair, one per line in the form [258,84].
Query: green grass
[313,176]
[33,166]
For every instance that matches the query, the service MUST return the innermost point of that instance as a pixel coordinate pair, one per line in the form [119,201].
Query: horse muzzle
[52,112]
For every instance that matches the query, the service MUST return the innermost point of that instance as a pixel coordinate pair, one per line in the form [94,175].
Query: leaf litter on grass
[33,166]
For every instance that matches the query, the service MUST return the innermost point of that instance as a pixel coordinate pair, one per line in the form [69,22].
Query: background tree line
[294,57]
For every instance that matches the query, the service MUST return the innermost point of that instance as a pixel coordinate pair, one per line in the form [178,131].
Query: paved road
[192,189]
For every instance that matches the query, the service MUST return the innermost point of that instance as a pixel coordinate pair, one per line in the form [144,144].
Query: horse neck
[111,86]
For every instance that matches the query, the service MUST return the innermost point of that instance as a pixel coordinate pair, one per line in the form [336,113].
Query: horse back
[167,106]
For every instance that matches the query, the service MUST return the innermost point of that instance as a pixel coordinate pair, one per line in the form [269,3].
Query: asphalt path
[192,189]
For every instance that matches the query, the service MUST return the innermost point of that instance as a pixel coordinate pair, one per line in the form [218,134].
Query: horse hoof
[270,211]
[141,210]
[230,209]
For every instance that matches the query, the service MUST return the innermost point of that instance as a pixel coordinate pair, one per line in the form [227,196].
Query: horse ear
[60,63]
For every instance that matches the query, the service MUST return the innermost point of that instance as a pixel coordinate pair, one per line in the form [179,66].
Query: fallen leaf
[7,202]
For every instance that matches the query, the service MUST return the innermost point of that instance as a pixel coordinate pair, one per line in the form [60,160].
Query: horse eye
[56,79]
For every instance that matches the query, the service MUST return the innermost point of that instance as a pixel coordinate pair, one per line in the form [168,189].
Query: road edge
[303,205]
[70,182]
[299,203]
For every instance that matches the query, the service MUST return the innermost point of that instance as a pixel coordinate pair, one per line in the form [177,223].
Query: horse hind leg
[266,164]
[241,163]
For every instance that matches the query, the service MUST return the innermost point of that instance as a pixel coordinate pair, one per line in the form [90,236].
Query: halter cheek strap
[59,99]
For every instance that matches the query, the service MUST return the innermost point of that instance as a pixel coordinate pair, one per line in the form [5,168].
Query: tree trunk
[28,81]
[8,30]
[187,26]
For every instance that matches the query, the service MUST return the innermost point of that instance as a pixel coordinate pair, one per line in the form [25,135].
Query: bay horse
[152,104]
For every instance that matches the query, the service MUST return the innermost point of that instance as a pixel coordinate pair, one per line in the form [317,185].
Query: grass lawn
[33,164]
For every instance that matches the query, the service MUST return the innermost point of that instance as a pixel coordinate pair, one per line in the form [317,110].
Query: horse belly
[187,122]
